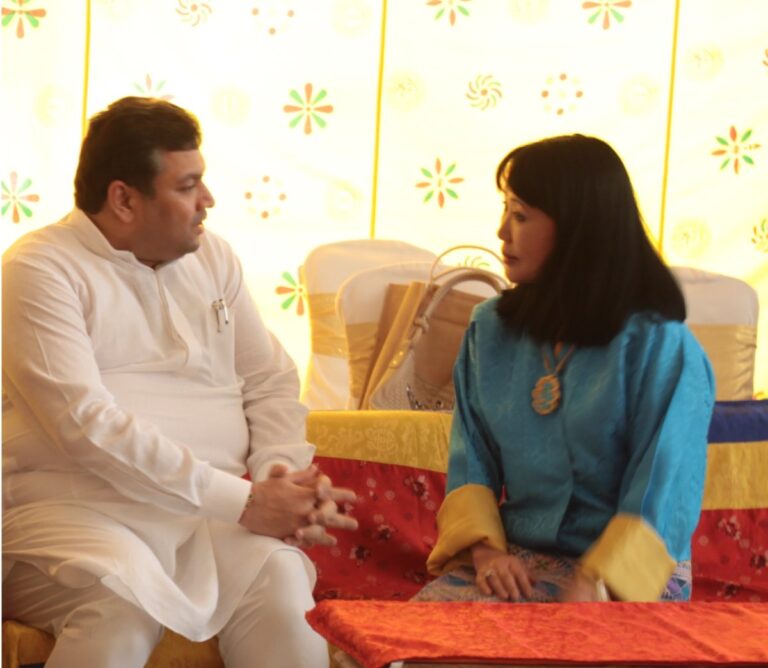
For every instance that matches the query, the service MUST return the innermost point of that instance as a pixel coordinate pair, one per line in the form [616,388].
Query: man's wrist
[225,496]
[248,503]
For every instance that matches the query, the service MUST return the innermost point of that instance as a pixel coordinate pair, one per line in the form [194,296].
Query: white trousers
[93,626]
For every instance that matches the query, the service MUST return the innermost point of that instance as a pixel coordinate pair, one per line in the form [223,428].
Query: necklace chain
[555,352]
[546,393]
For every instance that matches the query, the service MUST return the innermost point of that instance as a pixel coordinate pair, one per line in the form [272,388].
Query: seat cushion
[27,647]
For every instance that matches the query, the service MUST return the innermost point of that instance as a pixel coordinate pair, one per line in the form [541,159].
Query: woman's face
[528,238]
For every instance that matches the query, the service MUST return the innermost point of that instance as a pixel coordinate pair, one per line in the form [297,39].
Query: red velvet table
[377,633]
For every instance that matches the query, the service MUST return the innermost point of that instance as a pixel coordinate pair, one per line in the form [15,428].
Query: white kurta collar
[95,241]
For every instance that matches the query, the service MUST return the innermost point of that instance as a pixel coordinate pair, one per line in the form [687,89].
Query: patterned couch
[396,461]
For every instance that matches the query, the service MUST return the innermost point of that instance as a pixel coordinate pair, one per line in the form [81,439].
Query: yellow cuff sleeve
[631,558]
[468,515]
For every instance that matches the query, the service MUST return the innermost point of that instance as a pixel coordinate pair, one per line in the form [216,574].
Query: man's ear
[121,199]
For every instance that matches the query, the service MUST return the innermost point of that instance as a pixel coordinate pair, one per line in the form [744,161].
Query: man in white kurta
[141,385]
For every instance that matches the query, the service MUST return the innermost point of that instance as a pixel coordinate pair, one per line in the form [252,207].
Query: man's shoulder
[42,241]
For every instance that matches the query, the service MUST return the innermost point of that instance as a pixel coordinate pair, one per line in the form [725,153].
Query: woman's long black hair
[603,267]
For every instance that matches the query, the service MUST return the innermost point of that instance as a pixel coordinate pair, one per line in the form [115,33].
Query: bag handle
[421,323]
[436,262]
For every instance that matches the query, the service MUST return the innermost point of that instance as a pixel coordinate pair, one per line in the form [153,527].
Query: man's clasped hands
[298,507]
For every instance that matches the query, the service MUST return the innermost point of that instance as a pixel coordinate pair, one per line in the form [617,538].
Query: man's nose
[207,199]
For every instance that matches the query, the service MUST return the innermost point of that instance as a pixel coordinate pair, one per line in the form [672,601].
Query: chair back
[326,267]
[722,314]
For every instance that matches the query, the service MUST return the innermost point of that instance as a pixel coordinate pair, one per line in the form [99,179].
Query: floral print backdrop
[341,119]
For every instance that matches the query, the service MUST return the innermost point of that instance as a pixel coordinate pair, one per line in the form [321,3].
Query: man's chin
[192,246]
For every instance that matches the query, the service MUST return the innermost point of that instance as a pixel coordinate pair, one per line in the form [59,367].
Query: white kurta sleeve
[52,378]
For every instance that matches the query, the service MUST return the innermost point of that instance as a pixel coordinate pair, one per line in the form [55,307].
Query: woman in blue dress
[579,438]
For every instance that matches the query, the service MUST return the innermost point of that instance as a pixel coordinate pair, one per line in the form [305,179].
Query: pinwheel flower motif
[193,12]
[483,92]
[475,262]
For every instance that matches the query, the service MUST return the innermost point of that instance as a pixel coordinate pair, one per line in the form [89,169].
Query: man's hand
[297,507]
[500,574]
[279,505]
[326,511]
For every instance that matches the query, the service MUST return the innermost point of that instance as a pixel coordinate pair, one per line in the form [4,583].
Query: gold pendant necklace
[546,394]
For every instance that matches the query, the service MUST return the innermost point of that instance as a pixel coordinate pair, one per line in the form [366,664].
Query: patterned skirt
[551,573]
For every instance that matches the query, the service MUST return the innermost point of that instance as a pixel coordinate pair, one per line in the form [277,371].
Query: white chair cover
[722,314]
[326,383]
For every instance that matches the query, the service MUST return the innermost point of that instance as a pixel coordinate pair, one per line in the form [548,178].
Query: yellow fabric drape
[326,330]
[737,476]
[361,344]
[405,438]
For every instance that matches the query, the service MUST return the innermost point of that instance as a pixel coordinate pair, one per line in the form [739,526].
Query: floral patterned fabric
[551,574]
[386,558]
[730,555]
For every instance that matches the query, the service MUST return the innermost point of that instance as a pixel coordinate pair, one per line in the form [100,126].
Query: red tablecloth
[377,633]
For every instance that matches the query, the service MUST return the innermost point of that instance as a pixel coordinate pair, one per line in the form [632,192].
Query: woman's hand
[584,588]
[500,574]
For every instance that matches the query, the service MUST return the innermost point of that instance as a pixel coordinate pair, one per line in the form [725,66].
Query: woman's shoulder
[488,332]
[651,323]
[658,351]
[485,312]
[654,330]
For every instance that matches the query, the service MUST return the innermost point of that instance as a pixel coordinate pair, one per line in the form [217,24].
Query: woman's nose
[503,231]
